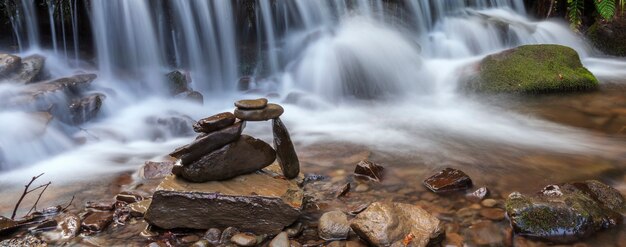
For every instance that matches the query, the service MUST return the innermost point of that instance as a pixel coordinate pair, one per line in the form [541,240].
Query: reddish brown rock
[208,143]
[251,104]
[97,221]
[285,150]
[369,170]
[272,111]
[215,122]
[448,180]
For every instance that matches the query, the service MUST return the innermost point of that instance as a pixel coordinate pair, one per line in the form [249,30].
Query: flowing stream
[381,75]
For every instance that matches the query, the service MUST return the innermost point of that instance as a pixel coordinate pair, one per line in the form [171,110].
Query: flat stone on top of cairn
[251,104]
[271,111]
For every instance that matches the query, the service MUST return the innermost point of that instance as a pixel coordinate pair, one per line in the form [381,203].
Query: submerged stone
[215,122]
[285,151]
[272,111]
[565,213]
[387,224]
[533,69]
[244,156]
[251,104]
[448,180]
[257,203]
[369,170]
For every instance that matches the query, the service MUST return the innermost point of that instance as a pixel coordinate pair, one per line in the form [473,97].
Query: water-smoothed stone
[478,195]
[246,155]
[334,225]
[257,203]
[213,236]
[41,96]
[244,239]
[84,109]
[69,225]
[270,112]
[565,213]
[215,122]
[97,221]
[448,180]
[251,104]
[386,224]
[7,224]
[281,240]
[208,143]
[369,170]
[228,233]
[29,71]
[9,64]
[285,151]
[138,209]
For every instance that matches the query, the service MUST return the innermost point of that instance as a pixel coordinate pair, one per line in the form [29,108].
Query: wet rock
[7,225]
[369,170]
[494,214]
[269,202]
[138,209]
[175,124]
[215,122]
[251,104]
[128,197]
[202,243]
[454,240]
[478,195]
[192,96]
[489,203]
[28,240]
[361,188]
[100,205]
[228,233]
[85,109]
[343,190]
[209,143]
[213,236]
[177,82]
[334,225]
[154,170]
[281,240]
[190,239]
[97,221]
[121,213]
[270,112]
[294,230]
[485,233]
[244,156]
[565,213]
[385,224]
[608,36]
[41,96]
[9,64]
[244,239]
[70,225]
[448,180]
[285,151]
[29,71]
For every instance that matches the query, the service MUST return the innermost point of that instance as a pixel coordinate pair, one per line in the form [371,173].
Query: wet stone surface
[448,180]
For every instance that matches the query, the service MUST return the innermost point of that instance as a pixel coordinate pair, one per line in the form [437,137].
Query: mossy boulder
[565,213]
[609,37]
[533,69]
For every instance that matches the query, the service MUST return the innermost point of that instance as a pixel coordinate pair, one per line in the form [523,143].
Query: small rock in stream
[138,209]
[244,239]
[272,111]
[100,205]
[28,240]
[128,197]
[214,123]
[70,225]
[281,240]
[386,224]
[251,104]
[369,170]
[566,213]
[97,221]
[285,150]
[334,225]
[448,180]
[478,195]
[228,233]
[343,191]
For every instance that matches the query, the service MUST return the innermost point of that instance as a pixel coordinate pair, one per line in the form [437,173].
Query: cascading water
[349,60]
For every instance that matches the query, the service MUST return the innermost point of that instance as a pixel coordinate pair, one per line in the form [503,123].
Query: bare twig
[69,204]
[34,207]
[17,205]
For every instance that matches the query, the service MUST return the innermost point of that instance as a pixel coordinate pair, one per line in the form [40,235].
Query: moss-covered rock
[533,69]
[609,37]
[565,213]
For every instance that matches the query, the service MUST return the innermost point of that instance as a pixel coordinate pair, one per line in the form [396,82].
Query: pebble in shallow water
[334,225]
[448,180]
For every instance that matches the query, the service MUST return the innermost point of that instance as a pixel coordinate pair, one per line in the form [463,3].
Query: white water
[333,52]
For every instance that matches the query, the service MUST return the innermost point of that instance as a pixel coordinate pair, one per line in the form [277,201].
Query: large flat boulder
[533,69]
[257,202]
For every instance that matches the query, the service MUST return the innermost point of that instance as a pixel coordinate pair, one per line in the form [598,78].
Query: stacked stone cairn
[222,178]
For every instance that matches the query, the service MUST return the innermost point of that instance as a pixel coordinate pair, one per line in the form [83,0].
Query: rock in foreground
[533,69]
[565,213]
[257,203]
[285,151]
[387,224]
[448,180]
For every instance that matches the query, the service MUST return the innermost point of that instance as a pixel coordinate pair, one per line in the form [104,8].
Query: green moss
[534,69]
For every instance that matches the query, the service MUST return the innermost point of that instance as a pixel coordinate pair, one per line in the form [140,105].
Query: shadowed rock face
[285,151]
[244,156]
[29,70]
[565,213]
[255,202]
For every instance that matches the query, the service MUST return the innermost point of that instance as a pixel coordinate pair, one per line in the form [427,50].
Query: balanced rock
[285,151]
[386,224]
[369,170]
[257,203]
[215,122]
[30,70]
[272,111]
[565,213]
[208,143]
[251,104]
[448,180]
[334,225]
[8,64]
[244,156]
